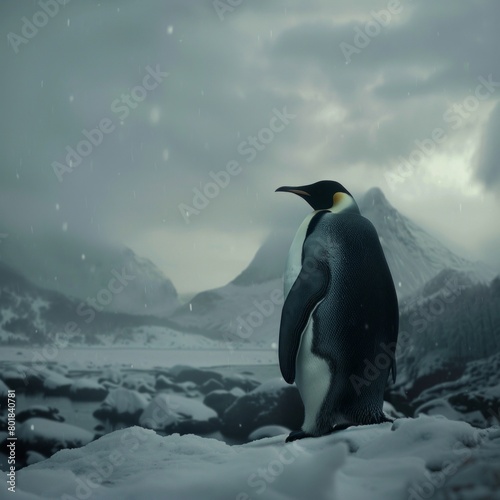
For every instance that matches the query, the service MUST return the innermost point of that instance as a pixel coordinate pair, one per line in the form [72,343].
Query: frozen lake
[138,358]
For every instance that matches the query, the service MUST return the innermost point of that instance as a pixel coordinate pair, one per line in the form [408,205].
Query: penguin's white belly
[294,261]
[312,374]
[312,377]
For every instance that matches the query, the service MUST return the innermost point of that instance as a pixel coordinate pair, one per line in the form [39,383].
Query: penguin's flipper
[392,314]
[309,288]
[394,371]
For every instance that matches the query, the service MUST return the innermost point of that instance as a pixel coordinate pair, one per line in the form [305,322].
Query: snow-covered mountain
[30,315]
[112,277]
[413,255]
[268,263]
[237,314]
[248,309]
[107,288]
[449,323]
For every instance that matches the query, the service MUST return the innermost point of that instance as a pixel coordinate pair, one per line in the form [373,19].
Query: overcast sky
[329,90]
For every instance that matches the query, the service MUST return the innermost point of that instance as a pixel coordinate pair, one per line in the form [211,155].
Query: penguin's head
[323,195]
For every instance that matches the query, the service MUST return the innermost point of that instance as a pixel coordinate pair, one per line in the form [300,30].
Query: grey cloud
[224,80]
[395,90]
[488,167]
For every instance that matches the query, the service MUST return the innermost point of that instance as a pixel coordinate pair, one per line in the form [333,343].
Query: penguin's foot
[388,419]
[294,435]
[341,427]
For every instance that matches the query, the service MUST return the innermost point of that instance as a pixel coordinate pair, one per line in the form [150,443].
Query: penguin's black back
[359,311]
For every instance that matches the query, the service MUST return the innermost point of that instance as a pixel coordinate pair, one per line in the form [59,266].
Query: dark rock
[247,384]
[211,385]
[399,400]
[3,389]
[47,412]
[391,411]
[108,385]
[138,385]
[199,376]
[182,373]
[164,382]
[59,368]
[189,388]
[111,375]
[473,398]
[433,369]
[15,380]
[47,437]
[122,406]
[220,400]
[87,390]
[55,384]
[34,381]
[272,403]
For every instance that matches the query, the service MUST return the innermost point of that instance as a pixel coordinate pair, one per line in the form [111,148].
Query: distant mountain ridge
[268,263]
[84,269]
[33,315]
[413,255]
[245,312]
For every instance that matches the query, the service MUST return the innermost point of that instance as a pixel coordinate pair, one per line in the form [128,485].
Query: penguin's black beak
[296,190]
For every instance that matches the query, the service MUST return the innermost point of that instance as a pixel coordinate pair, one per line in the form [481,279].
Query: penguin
[340,318]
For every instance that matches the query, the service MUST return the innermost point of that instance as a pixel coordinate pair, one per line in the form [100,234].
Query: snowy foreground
[410,459]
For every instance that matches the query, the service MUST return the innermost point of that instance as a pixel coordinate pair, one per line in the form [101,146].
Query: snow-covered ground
[411,459]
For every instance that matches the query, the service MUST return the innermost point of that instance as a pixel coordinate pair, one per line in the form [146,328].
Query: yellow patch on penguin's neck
[342,202]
